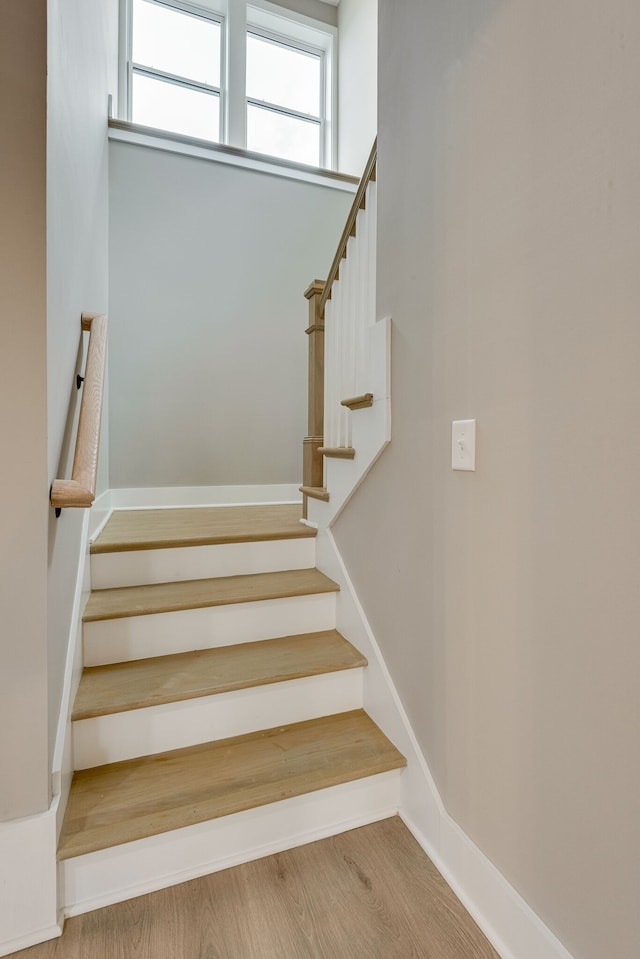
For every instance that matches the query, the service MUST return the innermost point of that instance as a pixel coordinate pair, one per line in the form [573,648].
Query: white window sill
[125,132]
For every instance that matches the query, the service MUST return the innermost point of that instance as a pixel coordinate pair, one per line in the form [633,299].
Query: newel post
[312,461]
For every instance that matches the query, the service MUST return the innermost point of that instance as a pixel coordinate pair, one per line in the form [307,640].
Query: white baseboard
[514,930]
[136,868]
[174,497]
[28,900]
[508,922]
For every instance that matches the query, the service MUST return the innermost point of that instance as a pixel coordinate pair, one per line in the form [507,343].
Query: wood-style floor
[368,894]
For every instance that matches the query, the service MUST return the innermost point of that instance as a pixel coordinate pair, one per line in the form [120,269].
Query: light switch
[463,445]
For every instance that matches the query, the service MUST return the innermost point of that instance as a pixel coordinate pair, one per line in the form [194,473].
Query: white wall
[208,352]
[506,601]
[24,785]
[358,86]
[82,52]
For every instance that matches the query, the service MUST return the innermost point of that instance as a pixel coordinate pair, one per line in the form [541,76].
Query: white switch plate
[463,445]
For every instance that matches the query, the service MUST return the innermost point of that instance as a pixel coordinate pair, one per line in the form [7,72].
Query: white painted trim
[144,566]
[160,634]
[28,900]
[154,729]
[99,515]
[307,522]
[136,868]
[62,764]
[509,923]
[175,497]
[122,132]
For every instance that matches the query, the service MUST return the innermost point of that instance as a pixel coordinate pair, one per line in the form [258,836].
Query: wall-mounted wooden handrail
[80,490]
[350,226]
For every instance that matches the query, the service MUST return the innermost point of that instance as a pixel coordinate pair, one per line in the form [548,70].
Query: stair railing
[341,310]
[80,490]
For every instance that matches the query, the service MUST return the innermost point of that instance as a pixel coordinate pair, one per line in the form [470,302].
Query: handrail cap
[316,288]
[69,493]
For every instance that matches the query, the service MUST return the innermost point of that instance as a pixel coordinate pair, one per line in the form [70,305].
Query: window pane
[172,107]
[176,42]
[283,76]
[283,136]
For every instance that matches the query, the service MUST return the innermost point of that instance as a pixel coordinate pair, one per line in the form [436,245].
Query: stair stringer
[30,902]
[509,923]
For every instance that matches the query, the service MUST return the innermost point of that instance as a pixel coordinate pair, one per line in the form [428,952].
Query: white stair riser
[139,567]
[135,868]
[160,634]
[142,732]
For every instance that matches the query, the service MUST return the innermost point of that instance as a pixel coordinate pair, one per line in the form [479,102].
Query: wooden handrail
[80,490]
[349,230]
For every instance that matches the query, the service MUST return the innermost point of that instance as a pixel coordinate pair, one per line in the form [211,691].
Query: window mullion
[235,112]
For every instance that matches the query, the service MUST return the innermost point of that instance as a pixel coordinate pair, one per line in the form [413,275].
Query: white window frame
[237,18]
[189,9]
[315,52]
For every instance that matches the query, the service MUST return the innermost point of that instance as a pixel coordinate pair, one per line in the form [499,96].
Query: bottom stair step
[122,802]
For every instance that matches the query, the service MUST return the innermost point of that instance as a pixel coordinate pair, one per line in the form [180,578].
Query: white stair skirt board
[141,732]
[159,634]
[370,433]
[28,902]
[512,927]
[99,514]
[135,868]
[172,497]
[62,763]
[145,566]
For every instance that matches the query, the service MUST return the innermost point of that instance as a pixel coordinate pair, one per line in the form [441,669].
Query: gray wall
[357,87]
[82,72]
[316,9]
[506,601]
[208,265]
[24,787]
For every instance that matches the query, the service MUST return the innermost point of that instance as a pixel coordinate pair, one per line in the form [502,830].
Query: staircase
[219,715]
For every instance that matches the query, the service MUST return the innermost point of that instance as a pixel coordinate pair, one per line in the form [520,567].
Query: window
[257,77]
[176,69]
[284,99]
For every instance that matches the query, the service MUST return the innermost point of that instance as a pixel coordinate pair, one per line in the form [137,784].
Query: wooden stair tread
[197,593]
[121,802]
[200,526]
[119,687]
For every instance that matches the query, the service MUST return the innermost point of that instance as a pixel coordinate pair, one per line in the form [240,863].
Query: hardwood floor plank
[166,528]
[370,893]
[119,687]
[195,593]
[120,802]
